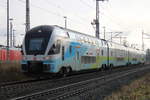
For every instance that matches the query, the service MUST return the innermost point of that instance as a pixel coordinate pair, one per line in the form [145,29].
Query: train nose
[35,67]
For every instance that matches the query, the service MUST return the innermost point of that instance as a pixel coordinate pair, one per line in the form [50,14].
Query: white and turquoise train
[53,49]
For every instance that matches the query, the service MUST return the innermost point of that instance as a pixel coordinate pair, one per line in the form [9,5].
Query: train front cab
[35,46]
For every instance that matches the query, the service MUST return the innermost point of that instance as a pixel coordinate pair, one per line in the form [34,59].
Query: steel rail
[79,85]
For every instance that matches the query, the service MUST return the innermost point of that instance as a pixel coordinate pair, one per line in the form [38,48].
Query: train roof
[77,32]
[93,37]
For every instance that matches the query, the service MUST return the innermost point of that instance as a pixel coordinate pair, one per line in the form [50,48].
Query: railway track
[8,91]
[74,89]
[18,89]
[3,84]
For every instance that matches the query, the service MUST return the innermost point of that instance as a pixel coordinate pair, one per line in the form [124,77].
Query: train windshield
[36,44]
[36,40]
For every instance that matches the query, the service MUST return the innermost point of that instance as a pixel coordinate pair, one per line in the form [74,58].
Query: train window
[63,52]
[70,49]
[36,44]
[55,49]
[88,59]
[82,39]
[82,60]
[92,41]
[37,39]
[88,40]
[105,42]
[96,43]
[102,52]
[68,35]
[111,53]
[77,55]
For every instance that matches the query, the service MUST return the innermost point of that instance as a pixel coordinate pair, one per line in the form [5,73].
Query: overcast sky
[127,16]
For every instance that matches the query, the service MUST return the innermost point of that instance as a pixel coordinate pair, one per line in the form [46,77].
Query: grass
[10,71]
[137,90]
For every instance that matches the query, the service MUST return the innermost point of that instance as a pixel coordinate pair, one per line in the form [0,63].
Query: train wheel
[103,67]
[64,72]
[111,66]
[69,70]
[99,69]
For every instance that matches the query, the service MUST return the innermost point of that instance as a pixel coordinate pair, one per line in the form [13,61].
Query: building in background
[14,54]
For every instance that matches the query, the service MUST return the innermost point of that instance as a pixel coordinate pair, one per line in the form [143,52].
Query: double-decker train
[54,49]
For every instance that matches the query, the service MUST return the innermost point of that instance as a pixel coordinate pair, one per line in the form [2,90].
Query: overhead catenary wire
[3,5]
[55,13]
[84,20]
[86,4]
[91,7]
[105,14]
[112,18]
[46,10]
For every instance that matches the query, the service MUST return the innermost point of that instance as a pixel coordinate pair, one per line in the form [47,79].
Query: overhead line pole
[7,30]
[65,17]
[97,19]
[11,28]
[14,40]
[11,31]
[104,32]
[27,15]
[143,40]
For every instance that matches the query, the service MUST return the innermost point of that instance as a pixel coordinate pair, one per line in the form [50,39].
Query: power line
[54,13]
[61,8]
[3,4]
[86,4]
[48,11]
[114,17]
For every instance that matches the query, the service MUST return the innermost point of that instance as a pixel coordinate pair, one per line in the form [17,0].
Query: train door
[77,59]
[63,52]
[128,57]
[107,53]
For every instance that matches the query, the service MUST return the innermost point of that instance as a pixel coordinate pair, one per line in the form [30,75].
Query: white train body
[51,49]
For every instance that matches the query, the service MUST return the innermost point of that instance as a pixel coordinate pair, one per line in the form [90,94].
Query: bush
[10,71]
[137,90]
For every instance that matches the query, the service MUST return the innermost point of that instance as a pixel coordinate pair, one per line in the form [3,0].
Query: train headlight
[24,58]
[47,58]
